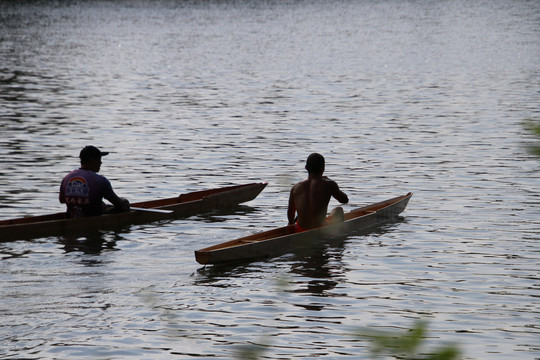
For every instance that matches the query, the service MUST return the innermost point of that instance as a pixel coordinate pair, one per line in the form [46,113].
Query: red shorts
[298,228]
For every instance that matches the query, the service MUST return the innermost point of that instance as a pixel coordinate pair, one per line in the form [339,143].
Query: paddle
[151,210]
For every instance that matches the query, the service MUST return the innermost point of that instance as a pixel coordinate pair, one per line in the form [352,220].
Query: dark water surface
[422,96]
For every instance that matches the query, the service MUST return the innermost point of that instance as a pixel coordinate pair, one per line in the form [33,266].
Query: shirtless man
[310,197]
[83,190]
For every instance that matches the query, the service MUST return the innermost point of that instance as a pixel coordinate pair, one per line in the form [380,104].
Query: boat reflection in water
[92,243]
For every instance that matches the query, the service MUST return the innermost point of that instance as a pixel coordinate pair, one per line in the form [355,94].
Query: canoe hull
[182,206]
[281,240]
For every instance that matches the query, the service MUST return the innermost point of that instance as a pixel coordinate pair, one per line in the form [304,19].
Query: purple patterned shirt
[83,192]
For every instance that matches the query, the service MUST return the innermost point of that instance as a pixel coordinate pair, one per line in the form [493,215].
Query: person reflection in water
[83,190]
[309,198]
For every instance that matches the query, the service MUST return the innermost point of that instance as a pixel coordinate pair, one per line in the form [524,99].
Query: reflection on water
[428,97]
[320,272]
[222,215]
[91,243]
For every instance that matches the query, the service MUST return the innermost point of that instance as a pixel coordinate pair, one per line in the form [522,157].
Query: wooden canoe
[281,240]
[182,206]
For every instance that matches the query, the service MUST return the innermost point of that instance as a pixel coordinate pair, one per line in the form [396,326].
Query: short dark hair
[315,163]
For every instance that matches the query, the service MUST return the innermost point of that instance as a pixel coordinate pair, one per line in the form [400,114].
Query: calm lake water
[422,96]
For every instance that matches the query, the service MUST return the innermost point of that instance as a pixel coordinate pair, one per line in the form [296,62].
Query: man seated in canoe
[309,198]
[83,190]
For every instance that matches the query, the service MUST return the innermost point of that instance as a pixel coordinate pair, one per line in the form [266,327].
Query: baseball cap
[91,152]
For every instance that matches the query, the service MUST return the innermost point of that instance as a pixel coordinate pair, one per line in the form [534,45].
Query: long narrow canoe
[281,240]
[162,209]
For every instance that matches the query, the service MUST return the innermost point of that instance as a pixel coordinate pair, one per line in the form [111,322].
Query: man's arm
[119,203]
[61,195]
[291,210]
[339,195]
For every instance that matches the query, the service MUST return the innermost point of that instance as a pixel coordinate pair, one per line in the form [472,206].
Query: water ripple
[422,97]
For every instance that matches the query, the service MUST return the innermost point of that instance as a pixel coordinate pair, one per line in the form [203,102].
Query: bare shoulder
[299,185]
[329,182]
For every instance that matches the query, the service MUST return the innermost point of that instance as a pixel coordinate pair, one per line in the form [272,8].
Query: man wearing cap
[310,198]
[83,190]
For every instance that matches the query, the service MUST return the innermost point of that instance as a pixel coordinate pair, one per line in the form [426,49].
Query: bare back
[310,199]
